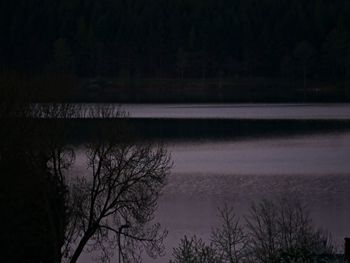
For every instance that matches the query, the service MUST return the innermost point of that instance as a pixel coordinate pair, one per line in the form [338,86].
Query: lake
[209,172]
[235,111]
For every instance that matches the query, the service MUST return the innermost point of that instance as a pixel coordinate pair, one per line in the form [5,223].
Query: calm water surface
[241,111]
[207,174]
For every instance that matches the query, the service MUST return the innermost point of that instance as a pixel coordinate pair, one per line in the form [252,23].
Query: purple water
[208,174]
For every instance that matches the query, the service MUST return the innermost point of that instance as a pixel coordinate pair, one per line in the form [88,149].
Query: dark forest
[232,46]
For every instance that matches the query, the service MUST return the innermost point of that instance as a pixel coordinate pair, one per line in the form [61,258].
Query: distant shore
[214,90]
[54,87]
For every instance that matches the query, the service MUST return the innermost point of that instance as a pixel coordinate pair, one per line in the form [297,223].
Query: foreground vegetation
[274,231]
[52,214]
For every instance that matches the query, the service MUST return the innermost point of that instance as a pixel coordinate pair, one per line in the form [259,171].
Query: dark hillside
[302,42]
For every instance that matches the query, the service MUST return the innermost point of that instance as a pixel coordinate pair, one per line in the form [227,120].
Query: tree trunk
[81,245]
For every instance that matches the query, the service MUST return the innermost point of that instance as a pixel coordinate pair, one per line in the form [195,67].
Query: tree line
[192,38]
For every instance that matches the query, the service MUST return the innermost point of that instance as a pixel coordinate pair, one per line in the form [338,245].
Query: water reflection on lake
[312,154]
[240,111]
[208,174]
[314,111]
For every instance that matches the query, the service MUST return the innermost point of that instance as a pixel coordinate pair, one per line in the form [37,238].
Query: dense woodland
[180,39]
